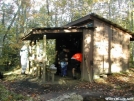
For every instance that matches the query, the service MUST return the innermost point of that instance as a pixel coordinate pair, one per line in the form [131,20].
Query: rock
[68,97]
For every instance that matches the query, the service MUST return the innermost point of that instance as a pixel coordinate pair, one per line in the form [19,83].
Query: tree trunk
[48,13]
[11,23]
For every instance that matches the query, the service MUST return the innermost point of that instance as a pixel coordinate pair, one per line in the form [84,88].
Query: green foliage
[9,56]
[76,15]
[50,49]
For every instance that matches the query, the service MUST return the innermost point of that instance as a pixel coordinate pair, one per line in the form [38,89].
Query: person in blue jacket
[63,60]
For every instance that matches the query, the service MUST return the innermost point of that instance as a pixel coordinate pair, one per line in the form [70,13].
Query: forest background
[17,17]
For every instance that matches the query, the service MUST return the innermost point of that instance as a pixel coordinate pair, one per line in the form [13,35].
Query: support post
[44,59]
[40,70]
[52,77]
[37,55]
[37,70]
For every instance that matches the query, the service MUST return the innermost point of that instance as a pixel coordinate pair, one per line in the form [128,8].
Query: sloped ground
[114,86]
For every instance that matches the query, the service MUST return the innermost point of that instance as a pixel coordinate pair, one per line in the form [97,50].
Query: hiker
[76,59]
[63,60]
[24,58]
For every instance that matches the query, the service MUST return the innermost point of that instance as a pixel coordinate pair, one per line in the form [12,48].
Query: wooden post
[37,55]
[52,77]
[37,70]
[29,48]
[44,59]
[87,55]
[40,70]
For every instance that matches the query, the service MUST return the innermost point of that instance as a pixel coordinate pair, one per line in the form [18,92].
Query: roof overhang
[54,32]
[74,27]
[91,17]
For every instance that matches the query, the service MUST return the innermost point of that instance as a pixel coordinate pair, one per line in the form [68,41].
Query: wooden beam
[57,31]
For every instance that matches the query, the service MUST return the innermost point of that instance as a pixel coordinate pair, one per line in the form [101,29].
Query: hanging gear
[77,56]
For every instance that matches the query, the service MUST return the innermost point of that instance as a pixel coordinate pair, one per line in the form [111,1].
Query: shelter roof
[54,32]
[91,17]
[74,27]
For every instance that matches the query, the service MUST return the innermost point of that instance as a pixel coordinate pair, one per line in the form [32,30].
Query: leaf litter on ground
[117,84]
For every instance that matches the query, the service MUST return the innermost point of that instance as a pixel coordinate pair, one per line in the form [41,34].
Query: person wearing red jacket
[76,59]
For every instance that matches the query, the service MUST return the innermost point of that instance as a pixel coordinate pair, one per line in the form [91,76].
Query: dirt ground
[117,85]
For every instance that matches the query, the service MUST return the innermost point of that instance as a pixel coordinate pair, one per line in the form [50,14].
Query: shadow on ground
[119,85]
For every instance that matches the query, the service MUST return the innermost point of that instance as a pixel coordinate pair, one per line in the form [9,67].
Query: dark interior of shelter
[71,38]
[73,42]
